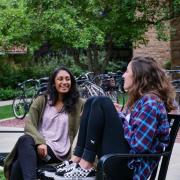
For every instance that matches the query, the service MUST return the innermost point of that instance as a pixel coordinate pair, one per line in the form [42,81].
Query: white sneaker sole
[49,174]
[53,175]
[73,178]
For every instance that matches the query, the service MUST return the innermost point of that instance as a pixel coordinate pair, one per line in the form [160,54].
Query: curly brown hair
[149,77]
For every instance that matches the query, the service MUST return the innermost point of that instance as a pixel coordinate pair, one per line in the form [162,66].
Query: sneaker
[66,167]
[46,171]
[2,158]
[63,166]
[79,173]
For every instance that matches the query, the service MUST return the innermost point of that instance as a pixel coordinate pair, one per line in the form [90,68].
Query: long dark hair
[70,98]
[149,77]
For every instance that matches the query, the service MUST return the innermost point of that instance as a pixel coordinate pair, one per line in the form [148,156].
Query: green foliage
[78,23]
[91,25]
[2,175]
[176,7]
[7,93]
[116,66]
[46,65]
[12,75]
[167,64]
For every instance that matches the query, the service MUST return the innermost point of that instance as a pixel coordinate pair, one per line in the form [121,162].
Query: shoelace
[63,164]
[67,168]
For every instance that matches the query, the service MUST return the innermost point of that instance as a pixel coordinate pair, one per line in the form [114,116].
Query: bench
[111,160]
[160,172]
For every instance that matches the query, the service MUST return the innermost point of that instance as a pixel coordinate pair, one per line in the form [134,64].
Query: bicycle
[87,88]
[112,84]
[174,74]
[176,84]
[28,91]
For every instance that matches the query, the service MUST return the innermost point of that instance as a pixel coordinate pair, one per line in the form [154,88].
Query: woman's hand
[118,107]
[42,150]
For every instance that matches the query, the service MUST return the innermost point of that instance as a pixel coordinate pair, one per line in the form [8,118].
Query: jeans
[25,165]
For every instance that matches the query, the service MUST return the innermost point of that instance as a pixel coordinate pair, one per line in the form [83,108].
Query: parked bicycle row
[108,84]
[27,92]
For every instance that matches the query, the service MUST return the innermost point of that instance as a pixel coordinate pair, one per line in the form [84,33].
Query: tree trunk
[76,56]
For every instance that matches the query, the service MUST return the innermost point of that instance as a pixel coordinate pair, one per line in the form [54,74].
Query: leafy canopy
[78,23]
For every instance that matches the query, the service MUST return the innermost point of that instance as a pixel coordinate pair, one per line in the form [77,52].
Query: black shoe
[45,168]
[58,169]
[2,160]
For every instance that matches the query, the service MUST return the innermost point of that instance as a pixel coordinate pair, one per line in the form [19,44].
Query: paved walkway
[7,141]
[4,103]
[173,171]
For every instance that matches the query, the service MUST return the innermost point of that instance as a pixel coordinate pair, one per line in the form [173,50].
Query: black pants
[25,165]
[101,132]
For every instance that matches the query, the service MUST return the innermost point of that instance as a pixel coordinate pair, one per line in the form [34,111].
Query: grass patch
[122,98]
[6,112]
[2,175]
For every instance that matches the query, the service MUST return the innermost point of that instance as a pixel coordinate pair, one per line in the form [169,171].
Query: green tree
[87,27]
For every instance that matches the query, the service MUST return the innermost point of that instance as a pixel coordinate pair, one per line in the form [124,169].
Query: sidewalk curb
[10,118]
[5,103]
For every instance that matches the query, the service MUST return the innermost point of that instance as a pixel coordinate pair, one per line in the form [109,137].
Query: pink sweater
[54,129]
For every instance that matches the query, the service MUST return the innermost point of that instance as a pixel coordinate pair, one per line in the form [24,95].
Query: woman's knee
[91,99]
[102,100]
[89,102]
[25,140]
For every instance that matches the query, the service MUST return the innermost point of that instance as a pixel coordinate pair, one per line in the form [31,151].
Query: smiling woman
[50,128]
[63,82]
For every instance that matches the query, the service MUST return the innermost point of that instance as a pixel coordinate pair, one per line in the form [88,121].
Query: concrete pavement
[4,103]
[7,141]
[174,166]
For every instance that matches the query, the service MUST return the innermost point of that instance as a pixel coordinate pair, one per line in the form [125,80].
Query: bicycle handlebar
[23,84]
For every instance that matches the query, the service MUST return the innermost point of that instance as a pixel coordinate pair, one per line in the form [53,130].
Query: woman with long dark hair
[50,128]
[141,128]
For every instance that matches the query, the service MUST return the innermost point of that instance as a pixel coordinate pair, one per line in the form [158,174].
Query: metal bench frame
[174,120]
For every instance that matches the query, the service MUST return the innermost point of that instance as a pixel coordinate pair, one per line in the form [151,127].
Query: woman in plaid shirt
[141,128]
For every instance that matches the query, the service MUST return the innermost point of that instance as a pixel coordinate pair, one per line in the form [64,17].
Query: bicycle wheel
[19,107]
[84,92]
[113,95]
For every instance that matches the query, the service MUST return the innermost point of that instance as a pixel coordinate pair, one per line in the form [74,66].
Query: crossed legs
[101,132]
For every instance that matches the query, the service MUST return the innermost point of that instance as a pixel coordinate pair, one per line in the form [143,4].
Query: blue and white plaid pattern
[146,132]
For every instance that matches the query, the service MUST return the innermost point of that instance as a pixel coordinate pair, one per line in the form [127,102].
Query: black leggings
[101,131]
[27,160]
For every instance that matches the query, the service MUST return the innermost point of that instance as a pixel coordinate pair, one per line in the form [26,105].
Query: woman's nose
[64,81]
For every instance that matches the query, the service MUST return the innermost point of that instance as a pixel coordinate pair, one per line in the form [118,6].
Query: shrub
[7,94]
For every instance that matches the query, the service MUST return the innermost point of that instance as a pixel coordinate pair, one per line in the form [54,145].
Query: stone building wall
[161,50]
[175,42]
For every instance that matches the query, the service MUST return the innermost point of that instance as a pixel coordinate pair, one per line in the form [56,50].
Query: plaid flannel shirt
[147,131]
